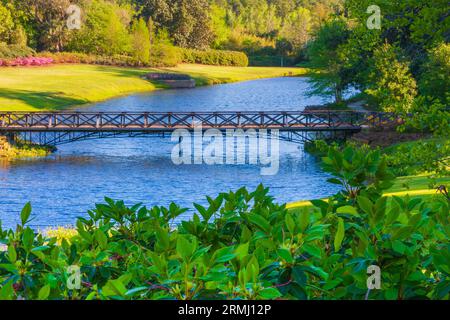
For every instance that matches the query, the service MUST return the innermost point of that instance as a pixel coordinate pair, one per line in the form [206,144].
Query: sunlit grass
[421,185]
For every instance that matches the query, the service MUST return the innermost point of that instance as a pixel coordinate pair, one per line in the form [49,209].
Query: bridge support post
[10,138]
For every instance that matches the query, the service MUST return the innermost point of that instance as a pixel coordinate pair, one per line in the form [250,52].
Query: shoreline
[68,86]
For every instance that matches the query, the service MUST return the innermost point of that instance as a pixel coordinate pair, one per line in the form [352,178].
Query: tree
[390,81]
[435,76]
[297,28]
[104,29]
[159,11]
[191,25]
[19,36]
[141,41]
[6,25]
[332,78]
[219,25]
[48,18]
[188,21]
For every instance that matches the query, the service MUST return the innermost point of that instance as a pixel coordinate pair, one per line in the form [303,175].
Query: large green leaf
[365,204]
[339,237]
[347,210]
[259,221]
[25,214]
[44,292]
[269,293]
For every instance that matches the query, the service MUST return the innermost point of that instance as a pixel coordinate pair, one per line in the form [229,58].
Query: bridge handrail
[104,120]
[188,112]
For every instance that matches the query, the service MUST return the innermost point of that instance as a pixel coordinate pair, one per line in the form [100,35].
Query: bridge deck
[299,127]
[51,128]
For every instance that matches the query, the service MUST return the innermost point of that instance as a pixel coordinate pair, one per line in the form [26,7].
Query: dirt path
[358,106]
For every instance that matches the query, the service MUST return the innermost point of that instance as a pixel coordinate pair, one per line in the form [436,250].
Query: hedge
[160,56]
[215,57]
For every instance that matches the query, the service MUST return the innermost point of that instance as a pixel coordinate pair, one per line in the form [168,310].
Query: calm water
[65,185]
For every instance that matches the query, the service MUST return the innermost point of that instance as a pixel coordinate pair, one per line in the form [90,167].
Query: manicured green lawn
[420,182]
[61,86]
[420,185]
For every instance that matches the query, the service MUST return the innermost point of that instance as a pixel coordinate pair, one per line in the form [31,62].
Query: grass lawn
[61,86]
[413,185]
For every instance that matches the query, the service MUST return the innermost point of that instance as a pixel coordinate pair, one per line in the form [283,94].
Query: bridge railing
[82,121]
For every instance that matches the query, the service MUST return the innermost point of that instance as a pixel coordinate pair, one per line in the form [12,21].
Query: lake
[66,184]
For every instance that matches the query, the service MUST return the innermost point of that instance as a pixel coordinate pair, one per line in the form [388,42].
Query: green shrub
[15,51]
[423,156]
[428,116]
[244,246]
[84,58]
[272,61]
[215,57]
[164,55]
[160,56]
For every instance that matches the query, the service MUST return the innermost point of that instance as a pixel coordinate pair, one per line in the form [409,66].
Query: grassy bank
[61,86]
[420,185]
[25,151]
[208,75]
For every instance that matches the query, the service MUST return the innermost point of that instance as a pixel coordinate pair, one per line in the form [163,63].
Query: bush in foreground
[244,246]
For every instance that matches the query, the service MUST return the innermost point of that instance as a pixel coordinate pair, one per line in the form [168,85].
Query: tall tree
[141,41]
[6,25]
[435,77]
[188,21]
[297,28]
[104,29]
[325,53]
[391,82]
[48,18]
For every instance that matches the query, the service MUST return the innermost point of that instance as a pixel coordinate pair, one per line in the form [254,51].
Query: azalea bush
[244,246]
[27,61]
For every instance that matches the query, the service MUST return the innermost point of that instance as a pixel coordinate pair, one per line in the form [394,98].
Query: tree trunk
[338,95]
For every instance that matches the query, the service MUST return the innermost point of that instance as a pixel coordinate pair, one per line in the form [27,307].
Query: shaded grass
[59,87]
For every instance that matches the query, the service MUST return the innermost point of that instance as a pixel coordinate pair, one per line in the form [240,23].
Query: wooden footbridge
[54,128]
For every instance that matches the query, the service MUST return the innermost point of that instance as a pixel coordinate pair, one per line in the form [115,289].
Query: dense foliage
[14,51]
[244,246]
[406,54]
[214,57]
[260,28]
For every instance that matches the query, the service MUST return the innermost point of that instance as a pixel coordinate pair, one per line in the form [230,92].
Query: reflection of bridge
[51,128]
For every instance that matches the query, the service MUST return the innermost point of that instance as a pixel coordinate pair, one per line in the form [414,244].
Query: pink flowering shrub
[26,61]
